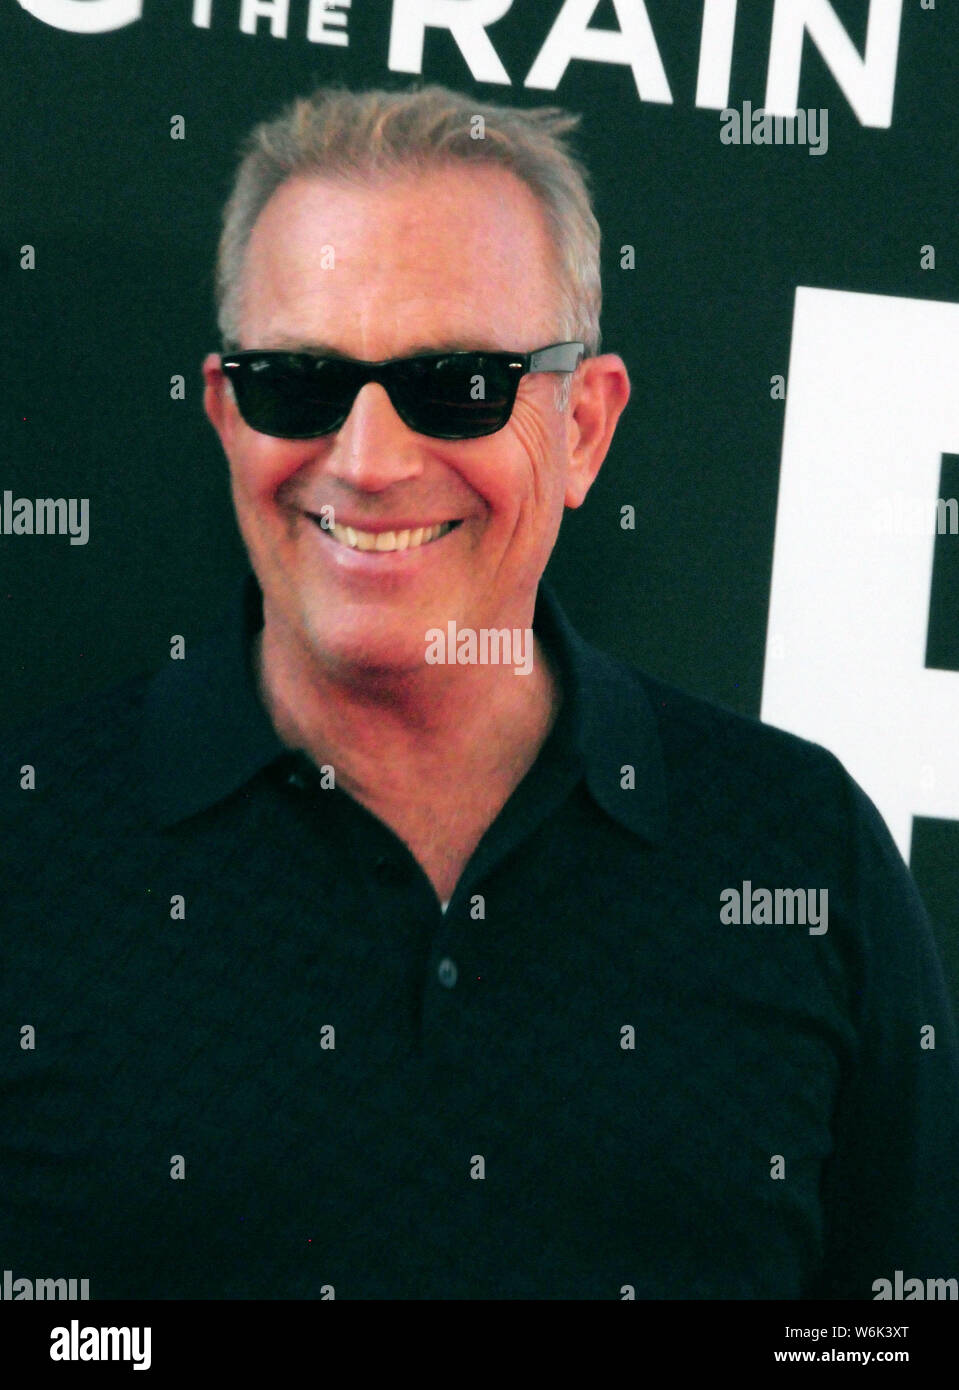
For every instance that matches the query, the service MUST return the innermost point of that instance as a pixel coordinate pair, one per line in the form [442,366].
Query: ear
[219,403]
[598,398]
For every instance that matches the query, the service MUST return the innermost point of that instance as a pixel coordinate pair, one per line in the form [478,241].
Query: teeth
[390,540]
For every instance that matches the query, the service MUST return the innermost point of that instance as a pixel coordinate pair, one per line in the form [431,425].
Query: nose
[373,449]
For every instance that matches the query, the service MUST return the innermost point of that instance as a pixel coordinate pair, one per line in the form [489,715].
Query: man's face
[459,258]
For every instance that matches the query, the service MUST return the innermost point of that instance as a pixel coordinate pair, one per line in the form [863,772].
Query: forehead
[459,256]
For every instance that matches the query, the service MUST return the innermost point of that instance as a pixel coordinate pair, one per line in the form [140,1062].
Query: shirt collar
[206,733]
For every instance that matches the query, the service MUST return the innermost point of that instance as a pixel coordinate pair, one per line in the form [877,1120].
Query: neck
[391,735]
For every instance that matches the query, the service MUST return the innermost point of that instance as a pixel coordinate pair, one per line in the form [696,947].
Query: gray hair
[362,136]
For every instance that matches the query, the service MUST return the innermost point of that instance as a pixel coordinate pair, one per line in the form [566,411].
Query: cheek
[261,474]
[537,444]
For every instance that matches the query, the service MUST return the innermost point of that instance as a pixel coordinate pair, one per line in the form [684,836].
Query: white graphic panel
[872,404]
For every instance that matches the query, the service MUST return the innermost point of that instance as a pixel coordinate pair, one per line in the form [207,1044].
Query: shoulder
[700,731]
[701,738]
[731,780]
[782,808]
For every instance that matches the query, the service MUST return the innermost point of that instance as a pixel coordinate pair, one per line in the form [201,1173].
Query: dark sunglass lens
[294,396]
[459,397]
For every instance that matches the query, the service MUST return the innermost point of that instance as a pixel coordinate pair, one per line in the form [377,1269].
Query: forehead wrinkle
[284,246]
[293,343]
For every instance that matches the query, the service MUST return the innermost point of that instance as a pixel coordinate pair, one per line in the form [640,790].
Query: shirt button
[447,972]
[296,779]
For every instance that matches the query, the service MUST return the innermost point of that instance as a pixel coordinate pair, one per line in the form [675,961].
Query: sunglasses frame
[556,357]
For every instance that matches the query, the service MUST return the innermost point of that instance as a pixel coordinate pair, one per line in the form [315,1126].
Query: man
[399,944]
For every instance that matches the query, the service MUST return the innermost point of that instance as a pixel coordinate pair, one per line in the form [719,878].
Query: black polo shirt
[264,1063]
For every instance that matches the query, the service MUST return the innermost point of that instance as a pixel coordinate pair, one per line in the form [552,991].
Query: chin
[373,653]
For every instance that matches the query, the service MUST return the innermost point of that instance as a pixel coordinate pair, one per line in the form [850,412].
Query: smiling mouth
[410,539]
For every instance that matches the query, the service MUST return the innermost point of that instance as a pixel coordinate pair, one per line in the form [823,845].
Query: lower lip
[383,564]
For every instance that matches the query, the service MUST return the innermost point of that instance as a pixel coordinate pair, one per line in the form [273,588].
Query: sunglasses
[448,395]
